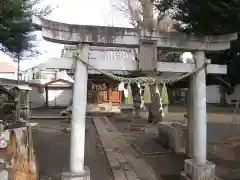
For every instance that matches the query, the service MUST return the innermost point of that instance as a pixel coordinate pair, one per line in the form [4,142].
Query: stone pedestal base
[127,111]
[173,135]
[3,175]
[144,114]
[137,113]
[76,176]
[193,171]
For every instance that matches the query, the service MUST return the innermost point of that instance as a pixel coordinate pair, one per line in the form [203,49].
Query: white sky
[84,12]
[87,12]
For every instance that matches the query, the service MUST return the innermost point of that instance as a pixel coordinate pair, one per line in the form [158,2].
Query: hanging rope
[147,94]
[98,87]
[159,98]
[146,97]
[141,80]
[141,97]
[130,97]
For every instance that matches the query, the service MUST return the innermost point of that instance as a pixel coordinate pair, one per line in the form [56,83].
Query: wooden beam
[192,45]
[104,64]
[128,66]
[181,41]
[94,35]
[216,69]
[174,67]
[188,37]
[182,67]
[130,37]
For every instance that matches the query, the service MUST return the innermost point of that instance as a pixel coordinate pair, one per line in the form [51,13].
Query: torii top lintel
[130,37]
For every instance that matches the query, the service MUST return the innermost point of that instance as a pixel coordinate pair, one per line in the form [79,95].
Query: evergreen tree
[209,17]
[16,28]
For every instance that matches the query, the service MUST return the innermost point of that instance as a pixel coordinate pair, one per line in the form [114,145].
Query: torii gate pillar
[196,111]
[79,112]
[198,168]
[78,123]
[199,124]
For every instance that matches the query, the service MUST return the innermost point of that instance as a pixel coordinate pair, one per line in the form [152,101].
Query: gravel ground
[168,166]
[52,150]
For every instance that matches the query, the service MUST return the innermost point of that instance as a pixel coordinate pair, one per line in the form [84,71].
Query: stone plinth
[144,114]
[76,176]
[4,174]
[194,171]
[173,135]
[127,111]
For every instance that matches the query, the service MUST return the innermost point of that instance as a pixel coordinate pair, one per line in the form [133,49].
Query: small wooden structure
[58,93]
[17,156]
[103,90]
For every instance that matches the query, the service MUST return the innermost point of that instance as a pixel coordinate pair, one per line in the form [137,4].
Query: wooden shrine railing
[105,96]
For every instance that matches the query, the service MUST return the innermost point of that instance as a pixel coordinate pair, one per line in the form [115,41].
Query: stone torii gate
[85,36]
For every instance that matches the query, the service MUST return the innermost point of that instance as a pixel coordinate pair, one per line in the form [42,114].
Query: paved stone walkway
[126,164]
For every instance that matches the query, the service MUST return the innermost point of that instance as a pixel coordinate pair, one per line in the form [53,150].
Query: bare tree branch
[132,11]
[140,13]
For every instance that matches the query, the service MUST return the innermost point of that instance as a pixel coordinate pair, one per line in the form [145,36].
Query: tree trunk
[18,98]
[148,23]
[136,104]
[147,6]
[154,114]
[222,95]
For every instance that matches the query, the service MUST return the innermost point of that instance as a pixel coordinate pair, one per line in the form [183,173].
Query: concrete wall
[234,96]
[37,97]
[8,75]
[28,75]
[59,94]
[213,94]
[59,97]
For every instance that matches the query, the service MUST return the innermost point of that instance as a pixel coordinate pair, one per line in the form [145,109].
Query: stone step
[47,117]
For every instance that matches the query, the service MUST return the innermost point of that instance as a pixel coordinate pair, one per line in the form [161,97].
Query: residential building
[8,70]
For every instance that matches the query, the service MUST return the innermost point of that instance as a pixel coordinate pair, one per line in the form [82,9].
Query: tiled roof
[6,67]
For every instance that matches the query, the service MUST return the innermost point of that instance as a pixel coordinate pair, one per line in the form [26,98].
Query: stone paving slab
[149,147]
[47,117]
[124,161]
